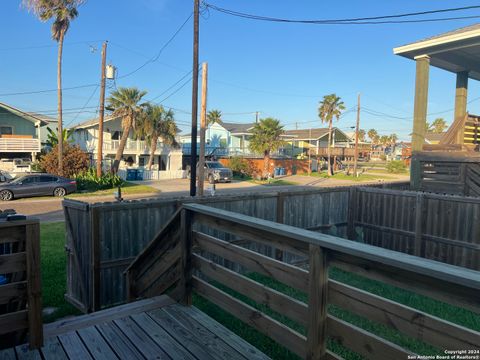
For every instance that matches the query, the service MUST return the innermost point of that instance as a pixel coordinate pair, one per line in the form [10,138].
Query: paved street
[51,209]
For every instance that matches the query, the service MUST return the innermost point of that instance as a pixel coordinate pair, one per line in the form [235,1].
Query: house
[315,142]
[50,123]
[136,152]
[20,133]
[223,139]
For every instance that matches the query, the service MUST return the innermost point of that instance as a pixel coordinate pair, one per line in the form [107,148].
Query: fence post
[317,303]
[419,249]
[34,288]
[95,259]
[352,211]
[186,269]
[280,219]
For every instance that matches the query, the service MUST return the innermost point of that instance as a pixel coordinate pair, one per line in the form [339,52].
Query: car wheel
[59,192]
[6,195]
[211,180]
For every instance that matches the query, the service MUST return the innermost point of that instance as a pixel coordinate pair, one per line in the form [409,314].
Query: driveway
[51,209]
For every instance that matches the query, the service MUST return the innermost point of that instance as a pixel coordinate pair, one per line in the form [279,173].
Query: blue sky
[281,70]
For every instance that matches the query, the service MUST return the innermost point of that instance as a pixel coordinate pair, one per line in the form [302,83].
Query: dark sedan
[37,185]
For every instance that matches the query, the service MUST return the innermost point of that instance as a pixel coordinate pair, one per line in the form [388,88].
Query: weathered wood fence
[20,295]
[104,238]
[179,259]
[437,227]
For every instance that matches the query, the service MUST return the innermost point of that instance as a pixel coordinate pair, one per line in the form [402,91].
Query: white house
[136,152]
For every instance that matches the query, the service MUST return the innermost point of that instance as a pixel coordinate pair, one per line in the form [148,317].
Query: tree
[213,117]
[393,139]
[384,140]
[439,125]
[52,137]
[266,137]
[330,107]
[157,123]
[428,126]
[75,161]
[361,135]
[63,12]
[125,103]
[373,135]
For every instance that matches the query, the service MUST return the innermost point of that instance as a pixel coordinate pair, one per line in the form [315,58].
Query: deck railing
[20,295]
[189,255]
[19,145]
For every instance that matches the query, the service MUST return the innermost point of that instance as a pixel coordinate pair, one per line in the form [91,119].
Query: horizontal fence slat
[283,335]
[11,322]
[289,275]
[412,322]
[16,291]
[364,343]
[283,304]
[13,263]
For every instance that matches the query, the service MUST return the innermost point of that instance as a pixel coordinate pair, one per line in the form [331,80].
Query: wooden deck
[156,328]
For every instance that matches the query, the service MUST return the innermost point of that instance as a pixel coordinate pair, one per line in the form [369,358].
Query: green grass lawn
[54,260]
[54,287]
[128,188]
[272,182]
[360,178]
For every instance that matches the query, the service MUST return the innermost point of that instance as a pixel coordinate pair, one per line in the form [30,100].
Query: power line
[155,58]
[48,90]
[350,21]
[85,42]
[172,86]
[176,91]
[84,106]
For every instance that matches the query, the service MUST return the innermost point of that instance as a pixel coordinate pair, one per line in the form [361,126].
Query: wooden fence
[20,295]
[438,227]
[448,173]
[177,260]
[103,238]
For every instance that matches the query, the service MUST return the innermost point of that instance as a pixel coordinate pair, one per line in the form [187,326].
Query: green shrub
[88,180]
[396,166]
[239,166]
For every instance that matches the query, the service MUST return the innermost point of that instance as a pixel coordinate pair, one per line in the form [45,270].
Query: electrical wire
[172,86]
[350,21]
[84,106]
[156,57]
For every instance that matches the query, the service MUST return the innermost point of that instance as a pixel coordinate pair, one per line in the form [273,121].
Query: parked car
[36,185]
[216,172]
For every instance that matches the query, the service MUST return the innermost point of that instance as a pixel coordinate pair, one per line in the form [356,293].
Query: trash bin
[276,172]
[131,174]
[282,171]
[139,174]
[3,280]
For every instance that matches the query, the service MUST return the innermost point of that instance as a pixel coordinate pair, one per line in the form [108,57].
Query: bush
[396,166]
[239,166]
[88,180]
[75,161]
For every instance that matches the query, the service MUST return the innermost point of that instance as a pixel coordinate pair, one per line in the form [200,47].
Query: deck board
[156,328]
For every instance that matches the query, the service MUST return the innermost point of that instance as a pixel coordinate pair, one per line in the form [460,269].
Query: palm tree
[266,137]
[393,139]
[157,123]
[373,135]
[330,107]
[439,125]
[63,12]
[125,103]
[213,116]
[361,135]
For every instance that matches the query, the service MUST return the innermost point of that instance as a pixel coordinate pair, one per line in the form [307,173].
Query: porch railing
[19,145]
[200,250]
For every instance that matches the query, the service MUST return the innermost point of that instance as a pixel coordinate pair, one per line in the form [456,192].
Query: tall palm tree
[330,107]
[373,135]
[266,137]
[157,123]
[361,135]
[63,12]
[125,103]
[439,125]
[213,116]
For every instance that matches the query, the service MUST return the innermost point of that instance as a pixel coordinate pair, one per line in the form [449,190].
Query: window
[6,130]
[30,180]
[45,179]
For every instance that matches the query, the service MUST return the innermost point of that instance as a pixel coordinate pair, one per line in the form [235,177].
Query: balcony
[13,144]
[133,146]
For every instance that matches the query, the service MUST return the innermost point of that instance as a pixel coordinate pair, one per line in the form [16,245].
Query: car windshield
[214,165]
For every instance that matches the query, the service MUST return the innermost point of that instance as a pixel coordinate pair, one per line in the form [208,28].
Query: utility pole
[256,117]
[356,138]
[309,153]
[101,113]
[203,123]
[193,153]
